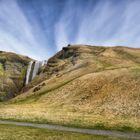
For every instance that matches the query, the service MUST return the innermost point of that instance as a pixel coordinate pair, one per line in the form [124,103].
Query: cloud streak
[41,28]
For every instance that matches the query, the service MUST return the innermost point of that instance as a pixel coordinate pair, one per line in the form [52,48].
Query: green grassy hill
[83,86]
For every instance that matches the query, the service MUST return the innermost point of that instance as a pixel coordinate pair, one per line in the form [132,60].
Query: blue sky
[40,28]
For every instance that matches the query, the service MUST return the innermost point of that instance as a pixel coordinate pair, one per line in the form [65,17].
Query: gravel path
[130,135]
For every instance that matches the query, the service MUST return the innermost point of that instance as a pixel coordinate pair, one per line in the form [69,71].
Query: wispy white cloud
[108,22]
[16,32]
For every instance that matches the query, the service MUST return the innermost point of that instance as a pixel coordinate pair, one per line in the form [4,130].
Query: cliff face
[76,60]
[12,74]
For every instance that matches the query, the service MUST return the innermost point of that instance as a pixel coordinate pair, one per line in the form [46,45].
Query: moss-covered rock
[12,74]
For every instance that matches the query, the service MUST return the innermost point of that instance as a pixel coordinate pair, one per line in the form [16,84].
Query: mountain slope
[85,86]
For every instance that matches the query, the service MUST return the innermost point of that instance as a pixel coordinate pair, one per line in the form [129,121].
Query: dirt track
[130,135]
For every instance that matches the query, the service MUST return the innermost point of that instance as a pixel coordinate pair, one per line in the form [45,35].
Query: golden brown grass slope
[84,86]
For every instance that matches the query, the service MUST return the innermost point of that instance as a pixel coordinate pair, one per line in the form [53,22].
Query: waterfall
[33,70]
[28,72]
[44,62]
[36,68]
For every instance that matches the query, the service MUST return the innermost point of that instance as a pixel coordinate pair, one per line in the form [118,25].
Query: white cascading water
[32,71]
[43,62]
[28,72]
[36,69]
